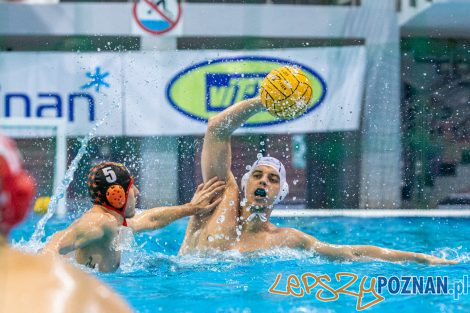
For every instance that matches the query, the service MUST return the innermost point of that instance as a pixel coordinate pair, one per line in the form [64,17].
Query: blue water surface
[154,279]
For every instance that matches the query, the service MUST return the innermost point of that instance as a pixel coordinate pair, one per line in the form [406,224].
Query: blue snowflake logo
[96,80]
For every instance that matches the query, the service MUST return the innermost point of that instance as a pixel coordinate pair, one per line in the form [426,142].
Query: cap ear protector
[116,196]
[17,188]
[276,164]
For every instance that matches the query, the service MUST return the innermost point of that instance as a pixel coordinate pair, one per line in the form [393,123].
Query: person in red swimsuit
[37,282]
[113,194]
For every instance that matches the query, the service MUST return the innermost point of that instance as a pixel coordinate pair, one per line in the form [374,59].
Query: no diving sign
[157,17]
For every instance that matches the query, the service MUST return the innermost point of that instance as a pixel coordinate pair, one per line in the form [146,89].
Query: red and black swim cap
[17,187]
[109,184]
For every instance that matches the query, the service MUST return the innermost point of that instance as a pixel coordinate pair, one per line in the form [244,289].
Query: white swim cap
[277,165]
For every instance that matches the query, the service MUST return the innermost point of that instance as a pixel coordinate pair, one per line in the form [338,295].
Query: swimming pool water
[154,279]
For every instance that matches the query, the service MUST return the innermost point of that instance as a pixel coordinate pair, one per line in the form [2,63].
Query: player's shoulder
[294,235]
[47,275]
[90,291]
[286,231]
[98,219]
[101,295]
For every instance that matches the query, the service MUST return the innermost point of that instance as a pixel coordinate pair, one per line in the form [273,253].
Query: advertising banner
[175,93]
[79,88]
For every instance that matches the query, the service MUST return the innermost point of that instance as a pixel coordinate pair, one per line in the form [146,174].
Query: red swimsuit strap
[120,212]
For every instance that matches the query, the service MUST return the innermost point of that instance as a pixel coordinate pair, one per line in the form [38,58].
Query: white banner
[79,88]
[174,93]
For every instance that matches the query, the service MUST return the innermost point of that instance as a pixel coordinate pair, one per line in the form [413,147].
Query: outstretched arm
[363,253]
[206,198]
[216,151]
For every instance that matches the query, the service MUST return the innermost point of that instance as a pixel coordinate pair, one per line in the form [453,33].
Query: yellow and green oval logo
[204,89]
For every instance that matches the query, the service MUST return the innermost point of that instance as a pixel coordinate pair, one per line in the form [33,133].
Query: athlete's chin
[261,202]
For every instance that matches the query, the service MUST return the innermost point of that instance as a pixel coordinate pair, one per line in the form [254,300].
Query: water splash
[61,190]
[27,247]
[452,254]
[139,259]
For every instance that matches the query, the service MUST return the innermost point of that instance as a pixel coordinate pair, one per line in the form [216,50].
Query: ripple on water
[153,277]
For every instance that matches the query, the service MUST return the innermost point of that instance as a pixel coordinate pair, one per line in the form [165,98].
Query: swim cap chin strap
[277,165]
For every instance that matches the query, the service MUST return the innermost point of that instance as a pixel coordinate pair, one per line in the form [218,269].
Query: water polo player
[27,281]
[114,196]
[110,185]
[245,226]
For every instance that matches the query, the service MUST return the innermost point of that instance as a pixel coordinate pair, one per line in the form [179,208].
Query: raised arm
[216,151]
[362,253]
[216,160]
[77,235]
[205,199]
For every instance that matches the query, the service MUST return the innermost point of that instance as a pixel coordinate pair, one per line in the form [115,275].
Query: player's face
[263,186]
[131,202]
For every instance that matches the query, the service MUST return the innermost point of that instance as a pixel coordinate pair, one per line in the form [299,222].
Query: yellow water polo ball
[41,205]
[286,92]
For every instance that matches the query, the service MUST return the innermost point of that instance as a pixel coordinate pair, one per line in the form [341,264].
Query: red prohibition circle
[157,32]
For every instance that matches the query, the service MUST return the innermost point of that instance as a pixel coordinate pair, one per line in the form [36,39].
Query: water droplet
[220,219]
[210,238]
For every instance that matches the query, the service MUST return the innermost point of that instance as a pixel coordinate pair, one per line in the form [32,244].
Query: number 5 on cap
[109,174]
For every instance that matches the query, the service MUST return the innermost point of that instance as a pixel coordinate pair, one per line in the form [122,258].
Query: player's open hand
[208,196]
[432,260]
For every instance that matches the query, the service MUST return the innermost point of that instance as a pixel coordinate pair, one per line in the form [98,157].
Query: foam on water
[153,276]
[137,259]
[452,254]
